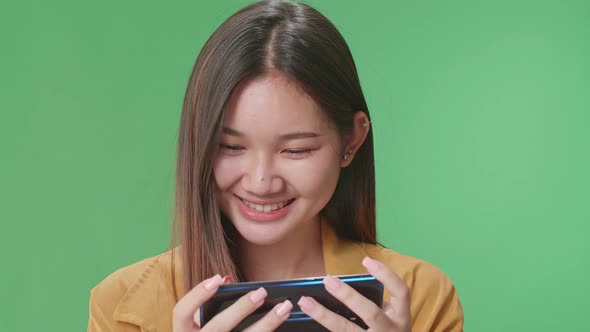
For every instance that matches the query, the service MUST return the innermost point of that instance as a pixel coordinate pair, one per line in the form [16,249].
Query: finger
[273,319]
[400,322]
[183,314]
[197,316]
[227,280]
[366,309]
[388,308]
[235,313]
[394,284]
[327,318]
[397,288]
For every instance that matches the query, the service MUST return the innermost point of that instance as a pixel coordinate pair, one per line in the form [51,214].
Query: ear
[353,142]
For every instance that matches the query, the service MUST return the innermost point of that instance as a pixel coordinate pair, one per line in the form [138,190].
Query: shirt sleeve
[435,303]
[101,315]
[97,320]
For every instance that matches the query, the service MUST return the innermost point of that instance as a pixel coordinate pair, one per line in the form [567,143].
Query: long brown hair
[303,45]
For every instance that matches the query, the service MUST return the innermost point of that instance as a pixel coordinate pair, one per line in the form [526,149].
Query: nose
[260,178]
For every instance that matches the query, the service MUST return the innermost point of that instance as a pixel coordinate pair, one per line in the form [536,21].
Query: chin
[262,234]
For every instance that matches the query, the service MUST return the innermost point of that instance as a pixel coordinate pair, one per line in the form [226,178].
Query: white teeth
[266,207]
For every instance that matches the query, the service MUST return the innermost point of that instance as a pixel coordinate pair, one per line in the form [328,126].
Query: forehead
[275,104]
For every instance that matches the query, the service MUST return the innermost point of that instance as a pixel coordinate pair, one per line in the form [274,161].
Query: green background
[481,117]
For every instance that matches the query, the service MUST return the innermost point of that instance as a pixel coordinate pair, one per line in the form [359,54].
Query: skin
[255,164]
[260,160]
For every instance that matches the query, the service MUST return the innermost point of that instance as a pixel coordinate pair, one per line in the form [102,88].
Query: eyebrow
[284,137]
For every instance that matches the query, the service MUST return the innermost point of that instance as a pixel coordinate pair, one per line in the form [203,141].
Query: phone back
[279,291]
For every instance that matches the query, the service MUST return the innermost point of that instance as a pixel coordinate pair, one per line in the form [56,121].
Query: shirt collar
[341,257]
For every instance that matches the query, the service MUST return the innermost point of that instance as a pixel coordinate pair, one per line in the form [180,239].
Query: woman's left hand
[394,316]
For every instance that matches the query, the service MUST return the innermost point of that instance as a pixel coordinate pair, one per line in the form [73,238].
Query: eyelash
[232,148]
[301,152]
[294,152]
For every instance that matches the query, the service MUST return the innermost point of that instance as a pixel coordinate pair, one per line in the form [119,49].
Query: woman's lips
[266,212]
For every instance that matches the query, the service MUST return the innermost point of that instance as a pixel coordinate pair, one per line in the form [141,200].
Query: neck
[298,256]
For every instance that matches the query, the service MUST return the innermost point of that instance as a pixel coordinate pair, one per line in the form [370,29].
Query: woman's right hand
[185,317]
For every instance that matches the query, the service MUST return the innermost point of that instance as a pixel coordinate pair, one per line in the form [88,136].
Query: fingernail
[227,279]
[258,295]
[332,283]
[306,303]
[284,308]
[370,264]
[213,282]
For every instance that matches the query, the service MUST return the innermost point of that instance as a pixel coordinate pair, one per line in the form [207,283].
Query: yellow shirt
[140,297]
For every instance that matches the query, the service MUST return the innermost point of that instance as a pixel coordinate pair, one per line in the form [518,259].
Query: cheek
[316,177]
[225,172]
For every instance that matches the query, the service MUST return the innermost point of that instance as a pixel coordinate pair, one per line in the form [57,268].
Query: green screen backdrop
[481,116]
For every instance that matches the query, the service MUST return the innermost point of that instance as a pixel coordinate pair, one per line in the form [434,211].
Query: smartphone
[279,291]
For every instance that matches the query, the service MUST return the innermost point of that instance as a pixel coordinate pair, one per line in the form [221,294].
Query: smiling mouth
[267,207]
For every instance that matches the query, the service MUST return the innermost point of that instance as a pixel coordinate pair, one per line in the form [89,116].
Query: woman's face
[278,162]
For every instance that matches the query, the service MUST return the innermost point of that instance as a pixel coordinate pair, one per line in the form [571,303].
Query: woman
[275,180]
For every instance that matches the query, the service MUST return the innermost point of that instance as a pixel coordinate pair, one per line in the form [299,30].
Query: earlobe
[347,154]
[346,158]
[356,140]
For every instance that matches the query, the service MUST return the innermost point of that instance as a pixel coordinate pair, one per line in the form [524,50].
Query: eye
[298,152]
[230,148]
